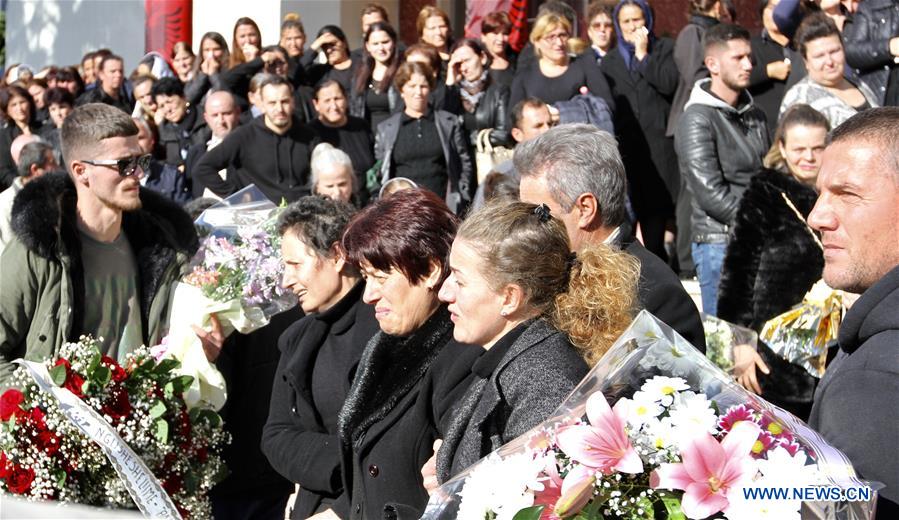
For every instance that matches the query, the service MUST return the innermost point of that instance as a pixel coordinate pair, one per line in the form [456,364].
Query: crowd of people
[469,227]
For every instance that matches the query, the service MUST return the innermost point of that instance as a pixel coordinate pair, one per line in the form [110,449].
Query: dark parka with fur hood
[42,279]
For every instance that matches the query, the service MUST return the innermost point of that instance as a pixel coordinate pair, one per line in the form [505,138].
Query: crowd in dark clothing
[719,134]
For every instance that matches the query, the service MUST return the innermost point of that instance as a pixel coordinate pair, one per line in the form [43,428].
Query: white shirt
[6,200]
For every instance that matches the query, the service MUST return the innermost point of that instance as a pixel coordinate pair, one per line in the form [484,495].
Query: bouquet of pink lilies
[656,430]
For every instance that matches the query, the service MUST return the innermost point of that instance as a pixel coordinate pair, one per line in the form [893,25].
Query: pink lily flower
[577,490]
[710,470]
[603,445]
[551,489]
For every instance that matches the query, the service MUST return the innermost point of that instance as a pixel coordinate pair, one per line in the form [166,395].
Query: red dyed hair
[408,231]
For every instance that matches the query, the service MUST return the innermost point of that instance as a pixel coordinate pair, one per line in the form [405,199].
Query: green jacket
[42,279]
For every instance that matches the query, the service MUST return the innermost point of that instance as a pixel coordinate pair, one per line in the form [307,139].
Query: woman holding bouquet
[318,353]
[412,371]
[542,313]
[774,258]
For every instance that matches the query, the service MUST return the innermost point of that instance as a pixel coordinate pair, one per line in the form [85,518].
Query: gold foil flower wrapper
[801,335]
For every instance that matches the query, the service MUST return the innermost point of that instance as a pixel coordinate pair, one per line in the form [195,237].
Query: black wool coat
[643,101]
[295,439]
[661,292]
[403,391]
[248,363]
[767,93]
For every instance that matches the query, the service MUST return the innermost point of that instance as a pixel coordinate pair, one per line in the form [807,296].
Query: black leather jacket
[719,149]
[867,36]
[359,109]
[492,112]
[455,150]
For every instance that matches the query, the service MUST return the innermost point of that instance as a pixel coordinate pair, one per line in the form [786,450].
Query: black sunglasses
[127,166]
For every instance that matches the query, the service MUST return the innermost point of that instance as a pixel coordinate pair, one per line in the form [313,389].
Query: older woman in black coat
[319,353]
[412,371]
[516,290]
[643,77]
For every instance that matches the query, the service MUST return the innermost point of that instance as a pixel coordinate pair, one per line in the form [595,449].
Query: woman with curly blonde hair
[542,313]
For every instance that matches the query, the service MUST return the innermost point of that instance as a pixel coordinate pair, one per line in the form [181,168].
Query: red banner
[168,22]
[518,13]
[476,11]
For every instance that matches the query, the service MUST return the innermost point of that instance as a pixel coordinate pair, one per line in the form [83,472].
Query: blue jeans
[708,259]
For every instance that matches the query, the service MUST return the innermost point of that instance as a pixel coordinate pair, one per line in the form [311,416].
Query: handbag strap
[484,140]
[802,219]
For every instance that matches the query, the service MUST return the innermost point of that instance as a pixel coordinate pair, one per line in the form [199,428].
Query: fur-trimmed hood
[44,212]
[160,234]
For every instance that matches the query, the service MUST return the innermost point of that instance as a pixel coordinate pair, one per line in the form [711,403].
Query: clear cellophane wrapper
[649,348]
[236,275]
[720,339]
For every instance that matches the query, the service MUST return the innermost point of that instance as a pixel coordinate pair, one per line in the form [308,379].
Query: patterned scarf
[472,92]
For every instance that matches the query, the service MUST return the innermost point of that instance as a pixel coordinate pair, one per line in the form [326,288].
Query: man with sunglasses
[93,252]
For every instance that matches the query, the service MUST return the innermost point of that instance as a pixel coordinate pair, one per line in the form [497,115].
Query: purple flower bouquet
[236,275]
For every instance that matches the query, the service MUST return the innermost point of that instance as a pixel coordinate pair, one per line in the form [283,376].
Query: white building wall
[43,32]
[60,32]
[219,16]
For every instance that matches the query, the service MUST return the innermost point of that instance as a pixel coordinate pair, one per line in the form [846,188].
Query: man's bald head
[15,149]
[221,113]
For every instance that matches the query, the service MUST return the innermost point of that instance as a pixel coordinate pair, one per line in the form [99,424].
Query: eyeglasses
[600,25]
[127,166]
[561,37]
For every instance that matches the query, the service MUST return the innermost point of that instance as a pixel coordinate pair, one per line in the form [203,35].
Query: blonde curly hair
[592,296]
[601,300]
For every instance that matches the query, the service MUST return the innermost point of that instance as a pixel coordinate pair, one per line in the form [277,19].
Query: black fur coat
[771,263]
[772,259]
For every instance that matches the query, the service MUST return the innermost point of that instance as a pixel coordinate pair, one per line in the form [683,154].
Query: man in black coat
[856,404]
[577,171]
[222,116]
[271,152]
[110,86]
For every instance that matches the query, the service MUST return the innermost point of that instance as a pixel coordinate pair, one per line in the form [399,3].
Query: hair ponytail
[600,302]
[590,296]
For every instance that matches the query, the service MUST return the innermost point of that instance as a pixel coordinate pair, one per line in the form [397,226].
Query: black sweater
[580,73]
[277,164]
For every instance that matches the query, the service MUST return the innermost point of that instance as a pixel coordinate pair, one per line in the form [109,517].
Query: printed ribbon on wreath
[145,489]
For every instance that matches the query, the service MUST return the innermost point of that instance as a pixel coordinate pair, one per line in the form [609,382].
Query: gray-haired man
[577,171]
[34,159]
